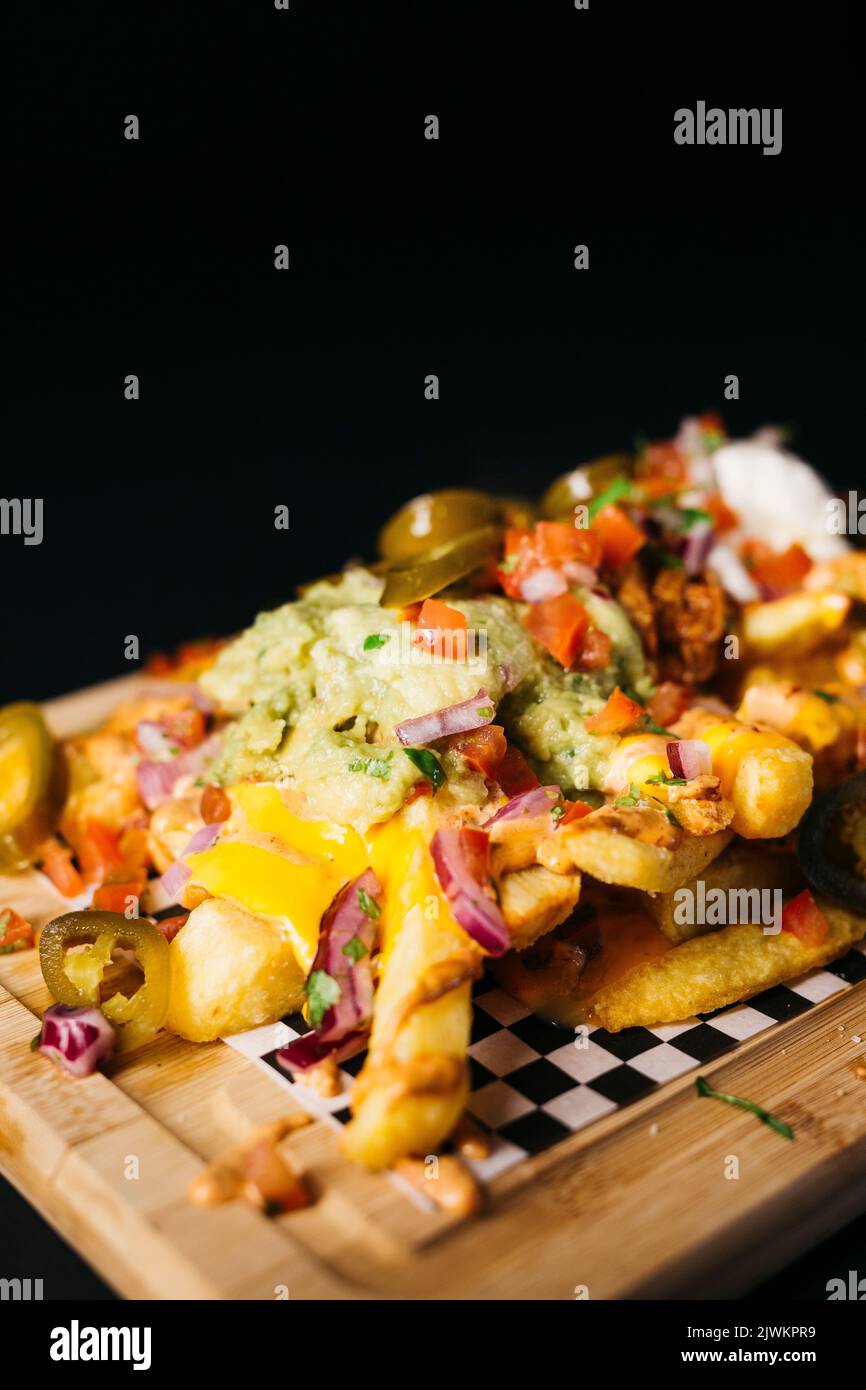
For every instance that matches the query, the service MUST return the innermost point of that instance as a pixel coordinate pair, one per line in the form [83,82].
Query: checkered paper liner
[533,1084]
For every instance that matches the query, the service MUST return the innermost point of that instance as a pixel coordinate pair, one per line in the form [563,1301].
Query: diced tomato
[618,713]
[668,702]
[712,423]
[804,919]
[575,810]
[170,926]
[557,542]
[518,560]
[112,897]
[724,517]
[663,469]
[215,806]
[548,545]
[776,571]
[441,630]
[58,866]
[560,625]
[98,850]
[514,774]
[186,727]
[16,934]
[483,749]
[595,650]
[159,664]
[419,789]
[620,538]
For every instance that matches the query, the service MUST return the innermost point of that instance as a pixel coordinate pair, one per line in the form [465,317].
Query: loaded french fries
[530,738]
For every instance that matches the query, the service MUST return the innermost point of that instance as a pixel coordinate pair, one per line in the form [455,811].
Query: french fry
[535,900]
[721,968]
[632,846]
[766,776]
[742,867]
[414,1085]
[795,624]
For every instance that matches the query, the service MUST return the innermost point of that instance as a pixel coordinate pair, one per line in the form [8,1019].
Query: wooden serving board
[638,1204]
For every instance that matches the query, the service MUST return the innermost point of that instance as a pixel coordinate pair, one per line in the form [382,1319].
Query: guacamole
[316,689]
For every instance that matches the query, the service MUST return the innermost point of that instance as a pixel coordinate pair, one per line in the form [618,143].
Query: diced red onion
[543,584]
[576,572]
[732,573]
[203,839]
[156,781]
[531,803]
[689,757]
[344,921]
[153,737]
[173,880]
[76,1038]
[698,544]
[454,719]
[460,860]
[307,1051]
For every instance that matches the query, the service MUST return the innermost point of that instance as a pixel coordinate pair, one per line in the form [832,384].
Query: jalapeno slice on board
[26,766]
[421,576]
[75,977]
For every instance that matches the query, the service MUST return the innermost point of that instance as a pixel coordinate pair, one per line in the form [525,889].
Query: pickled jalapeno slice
[74,977]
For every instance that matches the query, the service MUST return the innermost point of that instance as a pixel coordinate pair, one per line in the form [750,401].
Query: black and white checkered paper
[534,1084]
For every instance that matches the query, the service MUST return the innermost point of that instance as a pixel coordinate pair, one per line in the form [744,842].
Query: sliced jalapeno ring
[420,576]
[582,484]
[75,978]
[26,766]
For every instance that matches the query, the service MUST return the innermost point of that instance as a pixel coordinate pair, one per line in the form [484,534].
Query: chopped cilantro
[766,1118]
[368,904]
[827,695]
[374,767]
[35,1041]
[485,711]
[651,727]
[665,559]
[713,439]
[662,779]
[429,764]
[620,487]
[322,991]
[355,948]
[690,516]
[631,798]
[557,813]
[376,639]
[508,564]
[632,695]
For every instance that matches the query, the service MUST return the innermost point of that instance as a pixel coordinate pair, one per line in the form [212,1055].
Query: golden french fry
[632,846]
[721,968]
[766,776]
[535,900]
[230,971]
[795,624]
[414,1084]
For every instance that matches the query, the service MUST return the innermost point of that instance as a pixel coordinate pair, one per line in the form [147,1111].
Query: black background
[408,257]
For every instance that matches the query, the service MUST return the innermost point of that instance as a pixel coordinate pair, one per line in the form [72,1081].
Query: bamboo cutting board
[641,1203]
